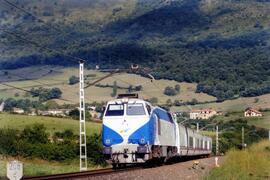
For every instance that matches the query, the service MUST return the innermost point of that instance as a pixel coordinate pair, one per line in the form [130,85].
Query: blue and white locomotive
[134,131]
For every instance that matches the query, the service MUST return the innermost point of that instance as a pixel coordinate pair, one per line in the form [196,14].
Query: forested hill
[223,45]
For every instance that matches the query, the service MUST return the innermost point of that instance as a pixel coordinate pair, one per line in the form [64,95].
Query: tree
[130,88]
[51,104]
[75,114]
[55,93]
[138,88]
[73,80]
[177,88]
[114,93]
[177,103]
[170,91]
[194,101]
[169,102]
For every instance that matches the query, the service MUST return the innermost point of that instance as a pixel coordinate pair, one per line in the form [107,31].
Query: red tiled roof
[253,110]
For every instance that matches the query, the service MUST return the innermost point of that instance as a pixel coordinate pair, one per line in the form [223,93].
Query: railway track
[81,174]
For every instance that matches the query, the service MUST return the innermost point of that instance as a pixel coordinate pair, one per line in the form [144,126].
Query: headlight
[107,141]
[142,141]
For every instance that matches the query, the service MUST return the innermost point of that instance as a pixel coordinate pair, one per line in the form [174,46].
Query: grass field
[52,125]
[234,105]
[253,163]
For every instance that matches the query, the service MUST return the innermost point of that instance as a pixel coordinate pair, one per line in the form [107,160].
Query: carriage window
[191,142]
[135,109]
[115,110]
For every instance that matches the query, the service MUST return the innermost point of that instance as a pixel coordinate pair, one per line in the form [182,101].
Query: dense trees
[45,94]
[24,104]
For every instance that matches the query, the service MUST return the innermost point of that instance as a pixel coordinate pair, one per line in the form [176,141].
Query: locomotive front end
[125,131]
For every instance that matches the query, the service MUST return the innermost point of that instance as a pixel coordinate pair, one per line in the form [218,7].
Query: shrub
[73,80]
[35,134]
[170,91]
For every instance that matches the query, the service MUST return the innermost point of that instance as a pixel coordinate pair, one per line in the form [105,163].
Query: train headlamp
[142,141]
[107,141]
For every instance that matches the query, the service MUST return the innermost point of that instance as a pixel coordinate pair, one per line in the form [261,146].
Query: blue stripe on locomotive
[109,134]
[147,131]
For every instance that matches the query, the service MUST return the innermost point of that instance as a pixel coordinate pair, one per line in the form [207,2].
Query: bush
[34,142]
[73,80]
[35,134]
[94,149]
[170,91]
[8,139]
[75,114]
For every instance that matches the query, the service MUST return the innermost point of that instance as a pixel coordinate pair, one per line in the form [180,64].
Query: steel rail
[72,175]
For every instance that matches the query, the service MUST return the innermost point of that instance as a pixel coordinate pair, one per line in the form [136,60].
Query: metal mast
[217,141]
[83,152]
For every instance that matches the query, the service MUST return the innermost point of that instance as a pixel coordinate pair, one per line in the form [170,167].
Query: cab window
[115,110]
[135,109]
[148,109]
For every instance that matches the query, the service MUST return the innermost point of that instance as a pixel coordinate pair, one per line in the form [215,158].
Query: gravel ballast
[189,170]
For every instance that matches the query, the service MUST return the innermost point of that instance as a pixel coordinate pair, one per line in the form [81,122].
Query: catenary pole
[83,150]
[217,140]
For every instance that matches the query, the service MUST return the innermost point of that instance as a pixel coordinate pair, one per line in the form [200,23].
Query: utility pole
[83,152]
[269,135]
[243,137]
[197,127]
[217,140]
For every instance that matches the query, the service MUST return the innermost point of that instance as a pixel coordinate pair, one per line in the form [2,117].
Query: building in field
[251,112]
[2,106]
[55,112]
[18,110]
[202,113]
[32,112]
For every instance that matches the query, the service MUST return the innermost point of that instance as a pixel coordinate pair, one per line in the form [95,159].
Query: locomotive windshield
[115,110]
[135,109]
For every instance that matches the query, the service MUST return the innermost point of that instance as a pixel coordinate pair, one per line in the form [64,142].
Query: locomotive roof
[125,100]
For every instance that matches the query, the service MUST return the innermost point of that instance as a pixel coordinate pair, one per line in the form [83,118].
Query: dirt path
[184,171]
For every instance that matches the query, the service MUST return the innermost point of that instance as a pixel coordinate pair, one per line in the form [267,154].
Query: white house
[18,110]
[202,113]
[250,112]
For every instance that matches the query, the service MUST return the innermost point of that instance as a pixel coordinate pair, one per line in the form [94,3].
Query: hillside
[48,76]
[222,45]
